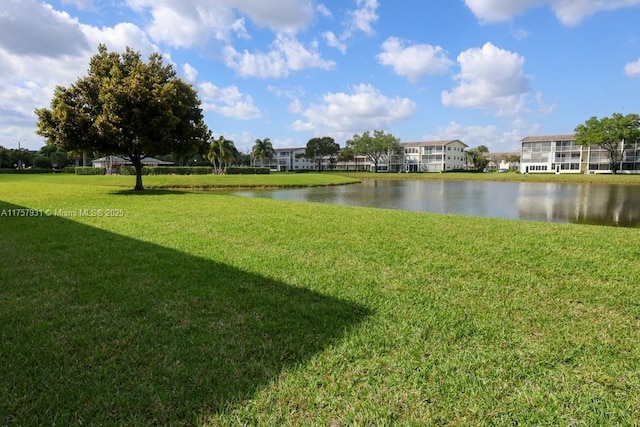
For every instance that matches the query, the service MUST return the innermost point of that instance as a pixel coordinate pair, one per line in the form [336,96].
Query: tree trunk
[137,164]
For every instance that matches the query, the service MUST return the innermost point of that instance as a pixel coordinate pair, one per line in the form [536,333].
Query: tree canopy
[610,133]
[374,147]
[125,107]
[477,158]
[262,149]
[320,148]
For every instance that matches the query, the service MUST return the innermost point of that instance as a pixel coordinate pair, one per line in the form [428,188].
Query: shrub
[25,171]
[69,169]
[247,171]
[42,162]
[90,170]
[166,170]
[180,170]
[130,170]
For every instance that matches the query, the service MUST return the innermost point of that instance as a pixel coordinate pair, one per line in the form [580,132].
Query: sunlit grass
[189,181]
[201,308]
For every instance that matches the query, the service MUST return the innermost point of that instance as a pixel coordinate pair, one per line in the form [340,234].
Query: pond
[602,204]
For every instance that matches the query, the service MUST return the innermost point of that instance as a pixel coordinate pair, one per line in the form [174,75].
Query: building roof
[118,159]
[545,138]
[288,149]
[431,143]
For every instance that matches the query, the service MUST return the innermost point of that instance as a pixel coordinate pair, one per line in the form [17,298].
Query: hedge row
[90,170]
[26,171]
[166,170]
[247,171]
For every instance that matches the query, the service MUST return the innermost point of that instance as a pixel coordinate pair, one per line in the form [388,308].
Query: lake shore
[628,179]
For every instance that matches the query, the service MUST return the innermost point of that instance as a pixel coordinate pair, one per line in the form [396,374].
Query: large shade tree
[376,147]
[611,134]
[319,149]
[126,107]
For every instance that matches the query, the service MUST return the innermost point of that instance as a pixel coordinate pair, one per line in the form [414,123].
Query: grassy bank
[494,176]
[209,309]
[188,182]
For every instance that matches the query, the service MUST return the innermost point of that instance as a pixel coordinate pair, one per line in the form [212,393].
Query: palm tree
[227,150]
[262,149]
[222,152]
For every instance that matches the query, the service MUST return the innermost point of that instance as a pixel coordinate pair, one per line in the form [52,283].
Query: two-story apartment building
[560,154]
[433,156]
[289,159]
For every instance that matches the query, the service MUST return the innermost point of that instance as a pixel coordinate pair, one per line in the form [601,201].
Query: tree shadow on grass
[99,328]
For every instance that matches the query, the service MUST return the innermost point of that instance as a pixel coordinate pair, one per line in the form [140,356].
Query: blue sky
[484,71]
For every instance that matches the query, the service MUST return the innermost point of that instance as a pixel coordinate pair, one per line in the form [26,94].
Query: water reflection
[577,203]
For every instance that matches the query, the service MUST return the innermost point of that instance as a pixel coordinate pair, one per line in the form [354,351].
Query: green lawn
[192,182]
[210,309]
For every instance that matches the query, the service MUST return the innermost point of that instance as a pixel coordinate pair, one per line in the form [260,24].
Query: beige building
[560,154]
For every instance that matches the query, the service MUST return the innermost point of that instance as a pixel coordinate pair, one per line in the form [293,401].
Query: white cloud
[196,22]
[335,41]
[324,11]
[228,102]
[118,38]
[190,73]
[360,20]
[490,79]
[55,34]
[569,12]
[414,62]
[632,69]
[80,4]
[364,16]
[287,55]
[494,137]
[342,114]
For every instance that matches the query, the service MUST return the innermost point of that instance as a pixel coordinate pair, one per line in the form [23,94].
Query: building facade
[560,154]
[424,156]
[433,156]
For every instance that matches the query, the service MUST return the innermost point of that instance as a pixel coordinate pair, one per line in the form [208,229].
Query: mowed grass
[190,182]
[210,309]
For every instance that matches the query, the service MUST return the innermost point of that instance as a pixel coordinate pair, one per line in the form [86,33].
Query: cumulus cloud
[228,102]
[56,33]
[490,79]
[287,55]
[414,62]
[343,114]
[632,69]
[191,23]
[567,11]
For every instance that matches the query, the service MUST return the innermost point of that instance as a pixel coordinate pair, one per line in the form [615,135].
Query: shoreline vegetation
[204,308]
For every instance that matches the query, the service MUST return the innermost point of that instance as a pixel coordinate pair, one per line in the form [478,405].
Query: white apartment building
[290,159]
[560,154]
[423,156]
[433,156]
